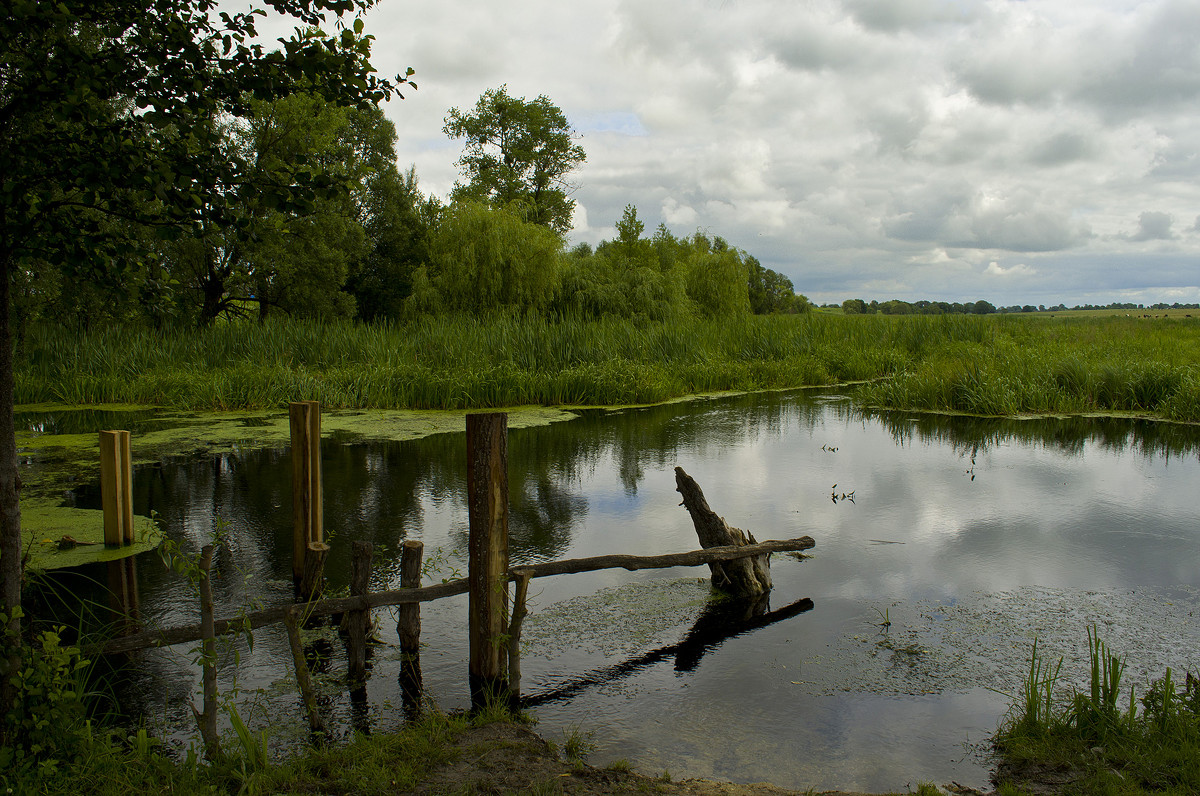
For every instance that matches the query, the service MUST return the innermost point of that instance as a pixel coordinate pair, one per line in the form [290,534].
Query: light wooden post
[116,487]
[487,567]
[307,511]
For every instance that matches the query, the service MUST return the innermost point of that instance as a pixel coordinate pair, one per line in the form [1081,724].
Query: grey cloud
[896,15]
[964,219]
[1060,149]
[1158,63]
[1153,226]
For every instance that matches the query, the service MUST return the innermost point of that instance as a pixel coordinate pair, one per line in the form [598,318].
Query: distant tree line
[368,244]
[898,307]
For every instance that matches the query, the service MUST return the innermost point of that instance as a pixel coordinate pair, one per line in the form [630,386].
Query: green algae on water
[59,536]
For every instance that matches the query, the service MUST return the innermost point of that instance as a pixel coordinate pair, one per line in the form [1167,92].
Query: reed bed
[991,365]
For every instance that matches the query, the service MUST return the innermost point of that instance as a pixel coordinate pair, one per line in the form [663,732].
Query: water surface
[944,546]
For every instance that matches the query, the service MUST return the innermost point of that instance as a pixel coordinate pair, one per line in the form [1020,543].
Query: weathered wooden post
[519,613]
[359,620]
[207,720]
[408,627]
[116,487]
[408,615]
[307,515]
[312,583]
[292,618]
[487,566]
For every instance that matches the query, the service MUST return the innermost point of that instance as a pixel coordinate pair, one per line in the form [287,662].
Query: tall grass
[1110,748]
[993,365]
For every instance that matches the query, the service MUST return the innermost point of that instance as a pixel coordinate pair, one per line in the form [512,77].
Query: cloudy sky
[1020,152]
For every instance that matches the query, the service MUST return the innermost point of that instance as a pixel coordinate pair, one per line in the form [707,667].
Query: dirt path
[511,758]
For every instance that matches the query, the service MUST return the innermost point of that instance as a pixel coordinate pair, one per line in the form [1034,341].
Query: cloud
[1020,269]
[848,143]
[1153,226]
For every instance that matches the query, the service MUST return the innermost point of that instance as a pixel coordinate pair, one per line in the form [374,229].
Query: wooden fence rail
[738,562]
[270,616]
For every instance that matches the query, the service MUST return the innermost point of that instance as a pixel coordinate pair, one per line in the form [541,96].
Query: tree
[771,291]
[517,156]
[481,258]
[111,110]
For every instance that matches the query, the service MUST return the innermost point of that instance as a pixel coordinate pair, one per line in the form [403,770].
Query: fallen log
[256,619]
[741,577]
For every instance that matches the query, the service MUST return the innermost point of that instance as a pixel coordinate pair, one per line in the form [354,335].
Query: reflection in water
[975,505]
[719,621]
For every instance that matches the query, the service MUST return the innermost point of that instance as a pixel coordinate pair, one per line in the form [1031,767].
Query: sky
[1030,152]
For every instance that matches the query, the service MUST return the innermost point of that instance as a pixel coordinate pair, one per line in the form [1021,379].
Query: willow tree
[110,109]
[518,154]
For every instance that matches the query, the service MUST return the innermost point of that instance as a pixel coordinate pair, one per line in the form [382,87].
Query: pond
[944,547]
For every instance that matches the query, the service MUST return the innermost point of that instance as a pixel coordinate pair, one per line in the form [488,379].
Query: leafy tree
[398,220]
[517,156]
[854,306]
[717,277]
[481,258]
[112,110]
[771,291]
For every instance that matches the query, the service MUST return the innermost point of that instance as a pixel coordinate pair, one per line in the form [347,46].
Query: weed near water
[986,365]
[1094,741]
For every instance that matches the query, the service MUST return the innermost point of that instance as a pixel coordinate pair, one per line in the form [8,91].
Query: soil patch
[511,758]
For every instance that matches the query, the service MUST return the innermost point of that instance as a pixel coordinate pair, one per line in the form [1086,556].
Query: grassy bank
[991,365]
[1098,739]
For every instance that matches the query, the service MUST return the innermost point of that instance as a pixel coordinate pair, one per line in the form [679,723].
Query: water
[944,546]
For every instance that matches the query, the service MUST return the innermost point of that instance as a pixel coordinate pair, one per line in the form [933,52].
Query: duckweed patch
[983,640]
[617,621]
[60,536]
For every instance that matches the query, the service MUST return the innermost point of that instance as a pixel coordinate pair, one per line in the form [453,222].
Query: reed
[1110,748]
[989,365]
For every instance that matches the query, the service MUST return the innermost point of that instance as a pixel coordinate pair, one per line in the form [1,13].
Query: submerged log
[744,577]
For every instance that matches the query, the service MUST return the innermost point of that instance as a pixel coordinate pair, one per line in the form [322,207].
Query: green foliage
[483,259]
[771,291]
[1113,750]
[44,727]
[517,156]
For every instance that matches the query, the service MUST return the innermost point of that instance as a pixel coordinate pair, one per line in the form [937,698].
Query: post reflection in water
[984,518]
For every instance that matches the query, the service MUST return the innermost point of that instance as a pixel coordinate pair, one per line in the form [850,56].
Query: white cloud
[1020,269]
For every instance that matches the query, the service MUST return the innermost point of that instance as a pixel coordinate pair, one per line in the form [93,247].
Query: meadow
[985,365]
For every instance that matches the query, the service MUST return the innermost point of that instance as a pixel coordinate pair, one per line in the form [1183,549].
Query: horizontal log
[270,616]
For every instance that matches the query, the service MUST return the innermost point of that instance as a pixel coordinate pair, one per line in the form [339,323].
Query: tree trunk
[10,509]
[744,577]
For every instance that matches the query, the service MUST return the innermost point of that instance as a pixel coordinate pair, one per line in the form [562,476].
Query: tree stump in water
[745,577]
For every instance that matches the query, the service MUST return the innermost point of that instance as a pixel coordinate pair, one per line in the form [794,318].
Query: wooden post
[116,487]
[291,618]
[313,581]
[360,577]
[408,627]
[307,512]
[487,567]
[514,633]
[408,617]
[208,719]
